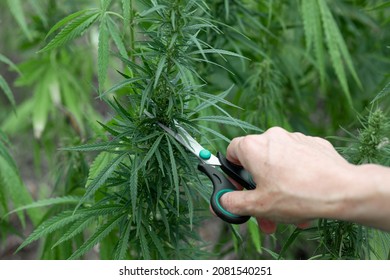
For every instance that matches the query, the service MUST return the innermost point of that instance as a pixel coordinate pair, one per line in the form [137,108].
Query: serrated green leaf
[115,35]
[126,7]
[16,190]
[123,242]
[174,171]
[235,121]
[156,241]
[160,68]
[47,202]
[210,100]
[183,153]
[347,57]
[101,209]
[156,8]
[151,151]
[101,178]
[198,45]
[68,19]
[98,165]
[144,244]
[227,10]
[98,236]
[308,8]
[384,92]
[185,73]
[190,204]
[216,133]
[134,67]
[173,22]
[160,161]
[133,184]
[72,30]
[121,85]
[122,111]
[109,129]
[229,121]
[76,228]
[336,46]
[217,51]
[379,244]
[102,146]
[314,34]
[48,226]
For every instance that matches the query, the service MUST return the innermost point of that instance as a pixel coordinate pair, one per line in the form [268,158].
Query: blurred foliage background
[320,67]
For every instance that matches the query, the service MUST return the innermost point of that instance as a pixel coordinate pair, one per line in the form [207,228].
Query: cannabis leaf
[75,25]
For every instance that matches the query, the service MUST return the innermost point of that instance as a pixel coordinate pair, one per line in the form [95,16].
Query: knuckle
[276,130]
[246,143]
[323,142]
[250,144]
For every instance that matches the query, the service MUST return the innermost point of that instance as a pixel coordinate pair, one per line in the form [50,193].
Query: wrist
[340,196]
[364,195]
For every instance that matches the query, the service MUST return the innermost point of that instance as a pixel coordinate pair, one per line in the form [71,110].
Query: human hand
[298,177]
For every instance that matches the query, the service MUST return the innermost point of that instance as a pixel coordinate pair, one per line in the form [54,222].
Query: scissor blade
[187,141]
[184,138]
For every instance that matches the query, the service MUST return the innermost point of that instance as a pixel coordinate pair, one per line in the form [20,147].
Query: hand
[298,177]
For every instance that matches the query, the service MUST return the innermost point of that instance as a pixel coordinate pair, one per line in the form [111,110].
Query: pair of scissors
[207,165]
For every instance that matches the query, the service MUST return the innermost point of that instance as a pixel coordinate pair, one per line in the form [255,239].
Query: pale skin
[300,178]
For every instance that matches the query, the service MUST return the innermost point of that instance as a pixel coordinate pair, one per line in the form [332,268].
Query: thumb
[245,203]
[238,202]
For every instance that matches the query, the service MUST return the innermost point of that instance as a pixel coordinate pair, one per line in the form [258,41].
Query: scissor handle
[236,172]
[221,186]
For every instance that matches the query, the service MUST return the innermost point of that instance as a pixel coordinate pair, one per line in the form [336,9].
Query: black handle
[221,186]
[237,173]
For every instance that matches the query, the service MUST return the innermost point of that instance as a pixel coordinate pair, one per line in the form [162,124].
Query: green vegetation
[77,79]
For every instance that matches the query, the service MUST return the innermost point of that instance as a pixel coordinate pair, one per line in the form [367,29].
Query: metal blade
[184,138]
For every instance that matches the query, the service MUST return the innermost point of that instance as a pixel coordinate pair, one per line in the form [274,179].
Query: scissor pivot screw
[205,154]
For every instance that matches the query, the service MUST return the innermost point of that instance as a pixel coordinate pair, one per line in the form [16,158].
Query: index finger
[232,150]
[244,151]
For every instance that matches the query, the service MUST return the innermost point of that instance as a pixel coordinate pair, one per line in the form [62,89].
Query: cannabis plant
[92,72]
[371,145]
[143,193]
[60,101]
[12,188]
[305,58]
